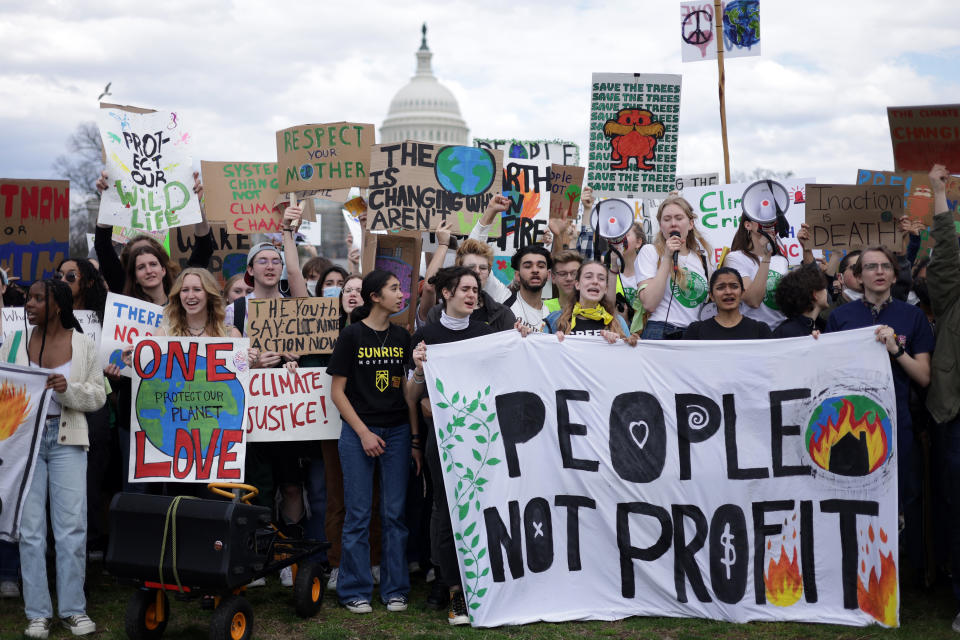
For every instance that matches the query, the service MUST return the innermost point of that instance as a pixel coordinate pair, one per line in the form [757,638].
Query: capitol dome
[424,109]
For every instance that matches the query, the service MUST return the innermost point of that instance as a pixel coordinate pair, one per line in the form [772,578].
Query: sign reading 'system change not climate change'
[324,156]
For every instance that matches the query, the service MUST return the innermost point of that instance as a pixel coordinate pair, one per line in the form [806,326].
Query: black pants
[443,549]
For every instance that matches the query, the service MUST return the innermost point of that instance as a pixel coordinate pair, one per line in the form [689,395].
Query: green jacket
[943,281]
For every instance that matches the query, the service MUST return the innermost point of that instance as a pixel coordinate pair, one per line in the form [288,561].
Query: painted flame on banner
[849,435]
[878,596]
[14,408]
[783,581]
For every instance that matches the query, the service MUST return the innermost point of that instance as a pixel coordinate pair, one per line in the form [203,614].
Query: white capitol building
[424,109]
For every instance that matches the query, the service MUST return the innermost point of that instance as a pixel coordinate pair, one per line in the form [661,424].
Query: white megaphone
[766,202]
[611,220]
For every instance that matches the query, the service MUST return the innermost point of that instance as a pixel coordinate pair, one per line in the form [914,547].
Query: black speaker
[216,541]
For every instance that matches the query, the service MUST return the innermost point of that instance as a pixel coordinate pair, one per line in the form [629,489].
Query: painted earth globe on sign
[170,404]
[466,170]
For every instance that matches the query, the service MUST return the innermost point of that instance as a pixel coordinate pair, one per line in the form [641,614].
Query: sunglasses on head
[71,276]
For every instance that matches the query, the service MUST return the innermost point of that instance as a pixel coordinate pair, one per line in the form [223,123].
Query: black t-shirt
[436,333]
[746,329]
[796,327]
[587,327]
[374,366]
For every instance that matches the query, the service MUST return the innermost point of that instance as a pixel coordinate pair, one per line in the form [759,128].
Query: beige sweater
[85,391]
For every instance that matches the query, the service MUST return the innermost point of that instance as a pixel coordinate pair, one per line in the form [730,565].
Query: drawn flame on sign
[531,200]
[869,427]
[783,581]
[14,407]
[878,596]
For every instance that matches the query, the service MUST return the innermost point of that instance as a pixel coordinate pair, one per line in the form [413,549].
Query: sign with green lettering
[324,156]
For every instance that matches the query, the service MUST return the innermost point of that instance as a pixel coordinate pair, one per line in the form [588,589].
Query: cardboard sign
[697,180]
[543,153]
[842,216]
[917,191]
[324,156]
[578,494]
[634,125]
[34,227]
[284,406]
[294,325]
[924,136]
[698,29]
[229,254]
[400,255]
[242,195]
[126,320]
[417,185]
[149,168]
[566,183]
[188,410]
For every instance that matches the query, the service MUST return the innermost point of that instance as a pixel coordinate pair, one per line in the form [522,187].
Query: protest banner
[13,319]
[242,195]
[634,124]
[924,136]
[917,191]
[741,29]
[417,185]
[149,169]
[842,216]
[229,254]
[712,481]
[285,406]
[542,152]
[35,228]
[566,183]
[293,325]
[696,180]
[188,412]
[23,411]
[324,156]
[126,320]
[400,255]
[718,212]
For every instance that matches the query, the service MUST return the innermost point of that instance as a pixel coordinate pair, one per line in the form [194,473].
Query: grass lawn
[923,615]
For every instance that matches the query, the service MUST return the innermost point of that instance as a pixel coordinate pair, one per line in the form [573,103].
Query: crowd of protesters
[377,493]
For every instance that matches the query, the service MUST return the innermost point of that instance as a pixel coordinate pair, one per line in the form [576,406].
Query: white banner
[188,410]
[15,319]
[284,406]
[748,480]
[149,169]
[126,320]
[23,409]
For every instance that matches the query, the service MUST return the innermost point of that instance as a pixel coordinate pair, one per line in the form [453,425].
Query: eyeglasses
[565,274]
[265,261]
[352,290]
[70,276]
[878,266]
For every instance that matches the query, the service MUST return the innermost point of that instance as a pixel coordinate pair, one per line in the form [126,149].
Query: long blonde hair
[695,241]
[175,315]
[566,314]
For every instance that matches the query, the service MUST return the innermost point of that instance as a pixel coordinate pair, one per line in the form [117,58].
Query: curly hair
[176,316]
[93,288]
[131,287]
[566,314]
[449,278]
[794,294]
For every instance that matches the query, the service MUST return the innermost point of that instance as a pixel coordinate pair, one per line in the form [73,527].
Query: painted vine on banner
[149,170]
[188,415]
[767,493]
[698,29]
[285,406]
[23,409]
[634,128]
[34,227]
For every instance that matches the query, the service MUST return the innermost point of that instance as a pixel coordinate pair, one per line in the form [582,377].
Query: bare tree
[82,166]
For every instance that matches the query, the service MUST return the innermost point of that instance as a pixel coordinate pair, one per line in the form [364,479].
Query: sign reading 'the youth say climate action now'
[712,481]
[294,325]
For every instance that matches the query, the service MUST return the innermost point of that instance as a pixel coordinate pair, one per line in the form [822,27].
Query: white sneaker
[286,577]
[38,628]
[332,582]
[375,570]
[259,582]
[9,589]
[431,575]
[956,624]
[358,606]
[79,625]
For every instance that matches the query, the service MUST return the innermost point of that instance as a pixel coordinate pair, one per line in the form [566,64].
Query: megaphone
[611,220]
[766,202]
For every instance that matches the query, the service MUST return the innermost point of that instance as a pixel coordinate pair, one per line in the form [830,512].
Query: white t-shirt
[768,311]
[686,303]
[533,318]
[629,285]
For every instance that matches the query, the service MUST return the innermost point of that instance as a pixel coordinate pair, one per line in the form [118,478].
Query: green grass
[923,615]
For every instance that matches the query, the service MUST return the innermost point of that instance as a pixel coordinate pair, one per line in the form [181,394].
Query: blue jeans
[316,485]
[655,330]
[61,475]
[355,582]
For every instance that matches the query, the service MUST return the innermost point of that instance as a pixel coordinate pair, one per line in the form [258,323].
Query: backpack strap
[509,301]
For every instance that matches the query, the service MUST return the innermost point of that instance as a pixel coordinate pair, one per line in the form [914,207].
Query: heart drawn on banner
[634,427]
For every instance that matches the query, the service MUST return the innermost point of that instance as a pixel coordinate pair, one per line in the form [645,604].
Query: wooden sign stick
[718,23]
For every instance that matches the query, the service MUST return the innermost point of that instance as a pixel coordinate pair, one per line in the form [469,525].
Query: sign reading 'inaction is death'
[697,480]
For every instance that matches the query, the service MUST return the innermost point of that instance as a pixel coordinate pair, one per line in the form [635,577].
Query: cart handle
[221,489]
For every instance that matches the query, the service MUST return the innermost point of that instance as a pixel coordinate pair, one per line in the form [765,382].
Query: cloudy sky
[814,103]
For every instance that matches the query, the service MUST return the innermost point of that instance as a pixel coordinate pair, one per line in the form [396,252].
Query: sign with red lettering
[324,156]
[242,195]
[35,227]
[188,410]
[565,186]
[126,320]
[287,405]
[924,136]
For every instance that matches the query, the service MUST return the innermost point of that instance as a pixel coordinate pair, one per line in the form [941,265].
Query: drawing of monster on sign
[566,183]
[287,405]
[924,136]
[294,325]
[416,185]
[324,156]
[634,123]
[23,409]
[149,170]
[34,227]
[842,216]
[400,255]
[188,415]
[741,29]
